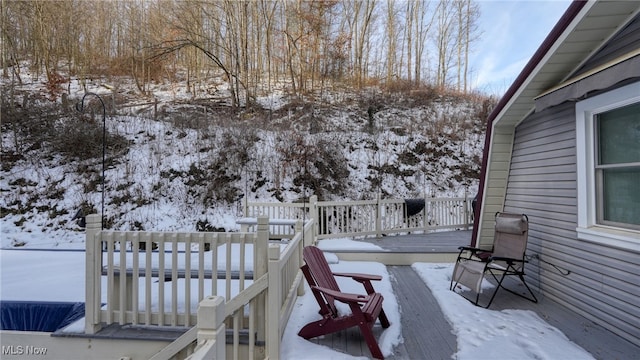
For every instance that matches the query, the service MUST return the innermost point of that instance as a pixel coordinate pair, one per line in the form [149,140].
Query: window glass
[619,135]
[621,196]
[618,166]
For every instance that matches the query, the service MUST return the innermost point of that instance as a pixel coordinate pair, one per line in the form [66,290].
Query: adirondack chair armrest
[341,296]
[364,279]
[360,277]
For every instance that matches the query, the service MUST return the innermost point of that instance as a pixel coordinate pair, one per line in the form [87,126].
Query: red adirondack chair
[365,309]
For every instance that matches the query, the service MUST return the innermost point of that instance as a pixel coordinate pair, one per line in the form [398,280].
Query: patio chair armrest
[508,260]
[472,249]
[341,296]
[482,254]
[360,277]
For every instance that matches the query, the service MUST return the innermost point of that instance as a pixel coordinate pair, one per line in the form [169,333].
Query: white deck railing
[248,283]
[159,279]
[369,217]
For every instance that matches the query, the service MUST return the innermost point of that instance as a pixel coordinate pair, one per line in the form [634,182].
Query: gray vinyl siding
[627,39]
[603,283]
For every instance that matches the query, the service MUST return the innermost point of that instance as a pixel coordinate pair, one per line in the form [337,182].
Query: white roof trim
[552,50]
[591,72]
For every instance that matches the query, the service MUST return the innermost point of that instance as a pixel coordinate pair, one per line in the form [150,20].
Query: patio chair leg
[497,287]
[533,297]
[521,276]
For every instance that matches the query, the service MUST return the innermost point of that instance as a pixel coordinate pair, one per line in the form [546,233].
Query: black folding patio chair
[507,258]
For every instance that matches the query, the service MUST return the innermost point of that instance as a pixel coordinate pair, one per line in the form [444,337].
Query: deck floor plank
[427,334]
[446,241]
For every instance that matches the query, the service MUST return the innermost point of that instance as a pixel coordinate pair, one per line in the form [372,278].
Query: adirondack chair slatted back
[321,274]
[326,307]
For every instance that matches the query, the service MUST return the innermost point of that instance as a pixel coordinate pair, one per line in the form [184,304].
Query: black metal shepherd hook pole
[80,108]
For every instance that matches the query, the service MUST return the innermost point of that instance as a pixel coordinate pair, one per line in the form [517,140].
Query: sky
[60,275]
[511,32]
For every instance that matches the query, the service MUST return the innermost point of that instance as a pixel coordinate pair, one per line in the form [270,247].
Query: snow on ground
[347,244]
[506,334]
[162,183]
[38,275]
[149,187]
[56,275]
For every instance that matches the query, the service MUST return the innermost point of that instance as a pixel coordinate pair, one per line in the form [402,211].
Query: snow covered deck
[402,249]
[436,324]
[432,322]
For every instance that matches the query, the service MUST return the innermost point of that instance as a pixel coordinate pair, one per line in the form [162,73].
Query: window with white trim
[608,165]
[617,166]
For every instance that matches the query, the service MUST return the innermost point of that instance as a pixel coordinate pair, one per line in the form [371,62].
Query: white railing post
[466,210]
[424,214]
[313,214]
[93,273]
[428,204]
[260,268]
[378,217]
[298,227]
[211,326]
[308,238]
[274,303]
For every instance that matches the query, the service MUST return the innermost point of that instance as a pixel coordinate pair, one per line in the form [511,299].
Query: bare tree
[392,40]
[252,44]
[359,16]
[444,38]
[410,18]
[422,28]
[10,33]
[469,29]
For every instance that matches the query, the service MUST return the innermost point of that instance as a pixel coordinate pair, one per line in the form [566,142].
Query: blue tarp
[38,316]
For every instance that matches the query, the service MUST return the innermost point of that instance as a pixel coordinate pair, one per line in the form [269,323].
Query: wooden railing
[158,279]
[371,217]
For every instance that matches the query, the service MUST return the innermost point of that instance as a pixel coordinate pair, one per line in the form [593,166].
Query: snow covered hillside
[175,159]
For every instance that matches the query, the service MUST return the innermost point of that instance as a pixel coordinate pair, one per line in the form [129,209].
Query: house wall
[497,174]
[603,281]
[625,40]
